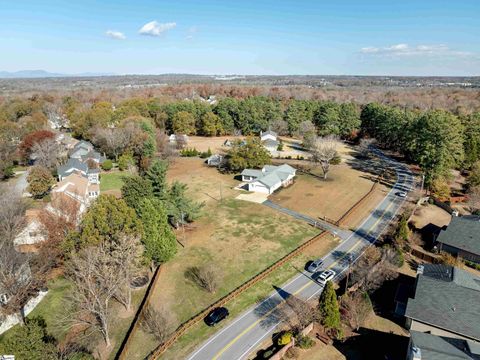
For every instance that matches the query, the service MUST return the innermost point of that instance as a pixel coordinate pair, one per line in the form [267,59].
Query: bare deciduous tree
[280,127]
[46,153]
[355,308]
[474,198]
[12,213]
[159,323]
[308,132]
[372,269]
[95,284]
[206,277]
[113,141]
[301,313]
[126,255]
[324,150]
[16,281]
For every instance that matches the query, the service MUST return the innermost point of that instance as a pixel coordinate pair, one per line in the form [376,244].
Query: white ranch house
[269,178]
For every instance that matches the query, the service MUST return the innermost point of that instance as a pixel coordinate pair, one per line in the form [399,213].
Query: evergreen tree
[156,175]
[402,232]
[158,239]
[30,341]
[106,219]
[180,208]
[329,309]
[134,189]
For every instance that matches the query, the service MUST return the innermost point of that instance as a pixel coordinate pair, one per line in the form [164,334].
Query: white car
[325,276]
[402,194]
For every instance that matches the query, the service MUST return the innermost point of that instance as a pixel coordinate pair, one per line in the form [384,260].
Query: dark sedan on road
[216,315]
[314,265]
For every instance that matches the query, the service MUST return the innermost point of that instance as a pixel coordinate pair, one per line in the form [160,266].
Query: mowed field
[331,198]
[238,238]
[241,238]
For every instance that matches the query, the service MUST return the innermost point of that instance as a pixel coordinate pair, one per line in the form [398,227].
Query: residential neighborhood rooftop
[463,232]
[434,347]
[448,298]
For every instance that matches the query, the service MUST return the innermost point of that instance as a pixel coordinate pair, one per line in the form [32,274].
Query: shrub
[305,342]
[336,160]
[124,161]
[280,147]
[107,165]
[268,354]
[472,265]
[206,154]
[285,338]
[205,277]
[189,152]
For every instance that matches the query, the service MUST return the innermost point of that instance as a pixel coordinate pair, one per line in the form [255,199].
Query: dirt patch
[430,214]
[215,144]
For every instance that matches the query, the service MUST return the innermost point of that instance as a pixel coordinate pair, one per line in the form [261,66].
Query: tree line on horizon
[437,140]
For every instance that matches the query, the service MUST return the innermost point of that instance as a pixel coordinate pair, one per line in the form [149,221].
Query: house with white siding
[269,178]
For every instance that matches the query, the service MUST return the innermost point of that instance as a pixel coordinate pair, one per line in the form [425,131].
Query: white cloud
[115,35]
[154,28]
[419,50]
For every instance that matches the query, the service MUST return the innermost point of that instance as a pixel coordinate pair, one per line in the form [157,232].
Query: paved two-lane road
[244,334]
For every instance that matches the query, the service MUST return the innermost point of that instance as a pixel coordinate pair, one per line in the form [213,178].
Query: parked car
[315,265]
[325,276]
[216,315]
[401,194]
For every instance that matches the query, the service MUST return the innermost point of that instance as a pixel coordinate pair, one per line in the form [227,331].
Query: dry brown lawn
[215,144]
[317,198]
[430,214]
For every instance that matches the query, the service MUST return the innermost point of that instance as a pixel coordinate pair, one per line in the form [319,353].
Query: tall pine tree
[156,174]
[329,309]
[158,238]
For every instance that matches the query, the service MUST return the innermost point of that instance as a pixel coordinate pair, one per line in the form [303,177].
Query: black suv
[216,315]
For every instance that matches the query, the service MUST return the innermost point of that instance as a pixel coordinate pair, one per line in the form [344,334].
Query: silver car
[315,265]
[325,276]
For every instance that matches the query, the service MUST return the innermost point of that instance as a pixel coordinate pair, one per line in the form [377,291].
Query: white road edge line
[302,274]
[256,342]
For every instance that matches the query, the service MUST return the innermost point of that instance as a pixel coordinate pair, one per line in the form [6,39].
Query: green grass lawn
[49,309]
[241,239]
[200,332]
[111,180]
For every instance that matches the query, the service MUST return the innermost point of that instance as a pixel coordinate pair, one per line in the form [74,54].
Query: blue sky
[364,37]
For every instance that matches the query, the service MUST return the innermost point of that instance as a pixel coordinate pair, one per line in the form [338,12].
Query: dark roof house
[462,238]
[424,346]
[446,302]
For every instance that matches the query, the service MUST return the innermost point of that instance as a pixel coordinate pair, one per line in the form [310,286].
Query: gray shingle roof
[463,232]
[269,132]
[70,165]
[271,175]
[435,347]
[92,154]
[270,142]
[252,172]
[447,298]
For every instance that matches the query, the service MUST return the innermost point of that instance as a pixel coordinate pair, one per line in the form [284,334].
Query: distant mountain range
[22,74]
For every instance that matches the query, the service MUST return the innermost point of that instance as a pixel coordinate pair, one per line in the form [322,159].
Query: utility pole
[183,230]
[348,274]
